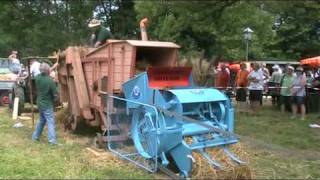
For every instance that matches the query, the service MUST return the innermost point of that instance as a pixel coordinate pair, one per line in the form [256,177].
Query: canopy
[314,61]
[234,67]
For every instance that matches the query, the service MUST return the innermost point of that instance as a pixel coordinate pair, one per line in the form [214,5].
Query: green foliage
[40,27]
[217,27]
[36,27]
[119,16]
[299,32]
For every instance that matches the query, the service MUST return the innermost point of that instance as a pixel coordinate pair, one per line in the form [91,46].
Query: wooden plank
[80,84]
[73,99]
[89,59]
[121,69]
[63,89]
[133,62]
[120,58]
[62,70]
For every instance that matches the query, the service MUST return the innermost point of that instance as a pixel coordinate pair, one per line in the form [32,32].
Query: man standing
[35,68]
[100,33]
[15,67]
[241,84]
[298,90]
[46,93]
[255,79]
[275,84]
[285,91]
[222,79]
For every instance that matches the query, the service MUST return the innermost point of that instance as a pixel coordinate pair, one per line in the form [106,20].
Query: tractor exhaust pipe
[143,24]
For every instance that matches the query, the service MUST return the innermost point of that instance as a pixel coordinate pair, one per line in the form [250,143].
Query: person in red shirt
[222,78]
[241,85]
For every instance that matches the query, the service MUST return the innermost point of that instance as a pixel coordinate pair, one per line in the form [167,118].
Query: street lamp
[247,32]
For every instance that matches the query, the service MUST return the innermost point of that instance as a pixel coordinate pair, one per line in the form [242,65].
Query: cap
[291,67]
[94,23]
[275,66]
[299,68]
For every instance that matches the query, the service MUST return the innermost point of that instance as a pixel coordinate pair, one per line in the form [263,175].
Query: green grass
[22,158]
[280,147]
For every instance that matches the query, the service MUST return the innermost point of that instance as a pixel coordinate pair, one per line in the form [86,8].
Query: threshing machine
[169,118]
[149,109]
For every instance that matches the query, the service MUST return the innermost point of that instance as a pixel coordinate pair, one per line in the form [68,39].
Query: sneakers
[18,125]
[314,125]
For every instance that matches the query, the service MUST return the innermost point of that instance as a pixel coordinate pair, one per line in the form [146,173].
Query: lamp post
[247,32]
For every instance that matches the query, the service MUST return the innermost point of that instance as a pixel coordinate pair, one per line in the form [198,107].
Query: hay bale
[203,170]
[61,115]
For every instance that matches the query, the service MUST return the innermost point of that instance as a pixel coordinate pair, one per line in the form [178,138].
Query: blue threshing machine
[167,118]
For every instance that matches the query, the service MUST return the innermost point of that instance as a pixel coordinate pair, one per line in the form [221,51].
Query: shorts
[298,100]
[255,95]
[241,95]
[285,100]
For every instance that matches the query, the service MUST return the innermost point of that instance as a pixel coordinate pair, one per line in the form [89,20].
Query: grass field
[279,148]
[22,158]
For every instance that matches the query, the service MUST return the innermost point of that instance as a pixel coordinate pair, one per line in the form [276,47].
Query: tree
[213,26]
[298,32]
[40,27]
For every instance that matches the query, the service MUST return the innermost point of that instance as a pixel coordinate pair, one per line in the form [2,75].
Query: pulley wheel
[143,133]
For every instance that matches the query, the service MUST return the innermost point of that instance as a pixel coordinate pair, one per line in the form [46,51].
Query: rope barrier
[268,87]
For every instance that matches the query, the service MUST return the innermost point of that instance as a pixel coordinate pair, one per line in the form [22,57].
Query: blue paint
[210,109]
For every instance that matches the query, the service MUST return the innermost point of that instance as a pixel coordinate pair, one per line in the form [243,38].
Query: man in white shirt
[34,68]
[255,87]
[15,67]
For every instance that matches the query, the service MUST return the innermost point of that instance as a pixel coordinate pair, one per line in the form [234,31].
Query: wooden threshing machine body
[86,72]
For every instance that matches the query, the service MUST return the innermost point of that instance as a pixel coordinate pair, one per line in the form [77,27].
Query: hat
[299,68]
[291,67]
[275,66]
[14,52]
[94,23]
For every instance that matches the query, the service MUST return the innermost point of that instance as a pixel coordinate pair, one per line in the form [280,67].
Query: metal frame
[127,156]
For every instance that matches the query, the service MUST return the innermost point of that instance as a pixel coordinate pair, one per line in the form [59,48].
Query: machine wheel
[143,132]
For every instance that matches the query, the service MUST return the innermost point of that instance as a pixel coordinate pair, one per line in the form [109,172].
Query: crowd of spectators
[286,86]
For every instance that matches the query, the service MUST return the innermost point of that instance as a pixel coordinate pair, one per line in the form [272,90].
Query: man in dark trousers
[46,93]
[100,33]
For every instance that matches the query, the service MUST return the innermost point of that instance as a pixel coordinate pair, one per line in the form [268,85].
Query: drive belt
[224,133]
